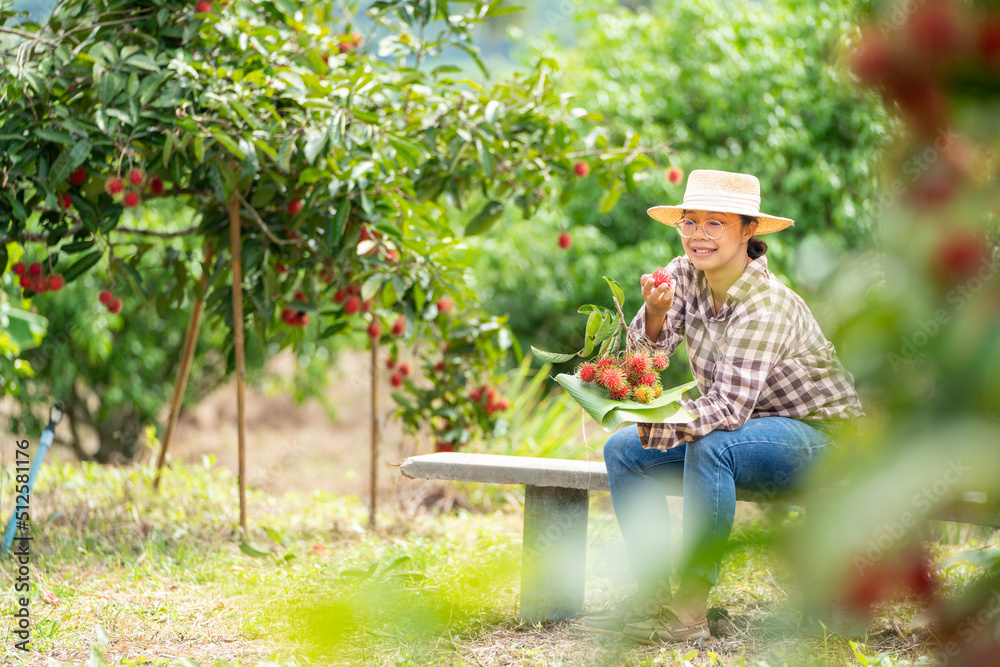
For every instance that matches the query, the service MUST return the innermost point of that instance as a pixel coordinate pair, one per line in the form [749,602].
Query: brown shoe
[664,627]
[614,616]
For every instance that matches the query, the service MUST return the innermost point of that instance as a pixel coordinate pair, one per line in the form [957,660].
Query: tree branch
[260,223]
[27,35]
[162,235]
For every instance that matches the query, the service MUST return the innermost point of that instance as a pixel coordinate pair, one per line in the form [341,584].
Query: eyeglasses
[713,228]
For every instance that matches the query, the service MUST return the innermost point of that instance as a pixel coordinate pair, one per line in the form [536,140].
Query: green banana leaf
[25,329]
[611,414]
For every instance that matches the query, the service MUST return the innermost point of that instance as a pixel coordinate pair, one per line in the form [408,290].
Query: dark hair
[755,247]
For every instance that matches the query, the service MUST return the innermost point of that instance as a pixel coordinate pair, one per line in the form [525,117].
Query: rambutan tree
[339,154]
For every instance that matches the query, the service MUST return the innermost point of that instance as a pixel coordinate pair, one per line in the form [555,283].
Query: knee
[616,450]
[707,449]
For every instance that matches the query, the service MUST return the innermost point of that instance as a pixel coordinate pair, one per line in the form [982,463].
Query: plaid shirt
[762,356]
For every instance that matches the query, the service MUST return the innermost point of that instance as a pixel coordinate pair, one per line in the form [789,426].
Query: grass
[144,578]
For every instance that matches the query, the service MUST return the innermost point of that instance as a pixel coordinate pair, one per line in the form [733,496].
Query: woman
[771,389]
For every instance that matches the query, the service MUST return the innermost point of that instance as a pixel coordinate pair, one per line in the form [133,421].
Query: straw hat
[724,192]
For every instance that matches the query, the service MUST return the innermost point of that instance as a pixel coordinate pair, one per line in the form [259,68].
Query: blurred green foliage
[113,373]
[738,86]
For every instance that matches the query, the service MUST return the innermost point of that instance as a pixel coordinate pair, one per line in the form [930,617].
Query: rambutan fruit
[647,379]
[620,393]
[605,363]
[637,363]
[586,372]
[661,277]
[114,186]
[643,394]
[660,361]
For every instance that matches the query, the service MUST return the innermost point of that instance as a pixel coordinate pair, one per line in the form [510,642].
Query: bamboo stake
[234,249]
[187,355]
[374,461]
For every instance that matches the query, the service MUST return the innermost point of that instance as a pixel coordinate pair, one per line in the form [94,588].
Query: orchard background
[448,182]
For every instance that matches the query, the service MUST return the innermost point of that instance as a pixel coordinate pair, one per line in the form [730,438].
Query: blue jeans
[765,455]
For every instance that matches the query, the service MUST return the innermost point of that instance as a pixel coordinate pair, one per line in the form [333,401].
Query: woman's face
[726,251]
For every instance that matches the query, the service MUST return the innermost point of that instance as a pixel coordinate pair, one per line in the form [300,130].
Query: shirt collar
[740,290]
[755,269]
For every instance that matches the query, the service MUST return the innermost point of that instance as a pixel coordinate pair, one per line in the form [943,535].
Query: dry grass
[163,577]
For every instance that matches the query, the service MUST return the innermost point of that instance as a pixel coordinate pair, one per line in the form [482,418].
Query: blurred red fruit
[300,296]
[374,330]
[19,268]
[131,199]
[922,102]
[581,169]
[353,289]
[960,257]
[396,380]
[352,305]
[25,282]
[872,60]
[114,186]
[339,296]
[116,306]
[288,314]
[56,282]
[281,268]
[78,177]
[156,186]
[399,326]
[136,177]
[989,39]
[439,366]
[404,369]
[565,240]
[392,255]
[65,202]
[444,446]
[35,269]
[203,7]
[504,404]
[933,29]
[301,319]
[106,297]
[675,175]
[445,305]
[367,305]
[390,363]
[475,394]
[294,207]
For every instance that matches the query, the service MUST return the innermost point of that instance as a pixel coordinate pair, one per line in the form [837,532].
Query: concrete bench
[556,504]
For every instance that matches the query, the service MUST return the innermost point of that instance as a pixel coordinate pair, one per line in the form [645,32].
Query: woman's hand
[658,299]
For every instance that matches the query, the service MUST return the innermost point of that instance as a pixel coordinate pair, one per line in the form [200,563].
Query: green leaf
[617,291]
[315,141]
[554,357]
[252,550]
[611,414]
[485,219]
[228,142]
[371,286]
[25,329]
[610,198]
[335,225]
[334,328]
[68,161]
[81,265]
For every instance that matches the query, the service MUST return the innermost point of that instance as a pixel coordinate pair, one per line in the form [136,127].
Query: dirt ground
[299,447]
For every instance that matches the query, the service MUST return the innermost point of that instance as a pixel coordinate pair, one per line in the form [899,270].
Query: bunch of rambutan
[631,377]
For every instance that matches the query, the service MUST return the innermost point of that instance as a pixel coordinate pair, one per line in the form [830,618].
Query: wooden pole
[187,355]
[234,249]
[374,462]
